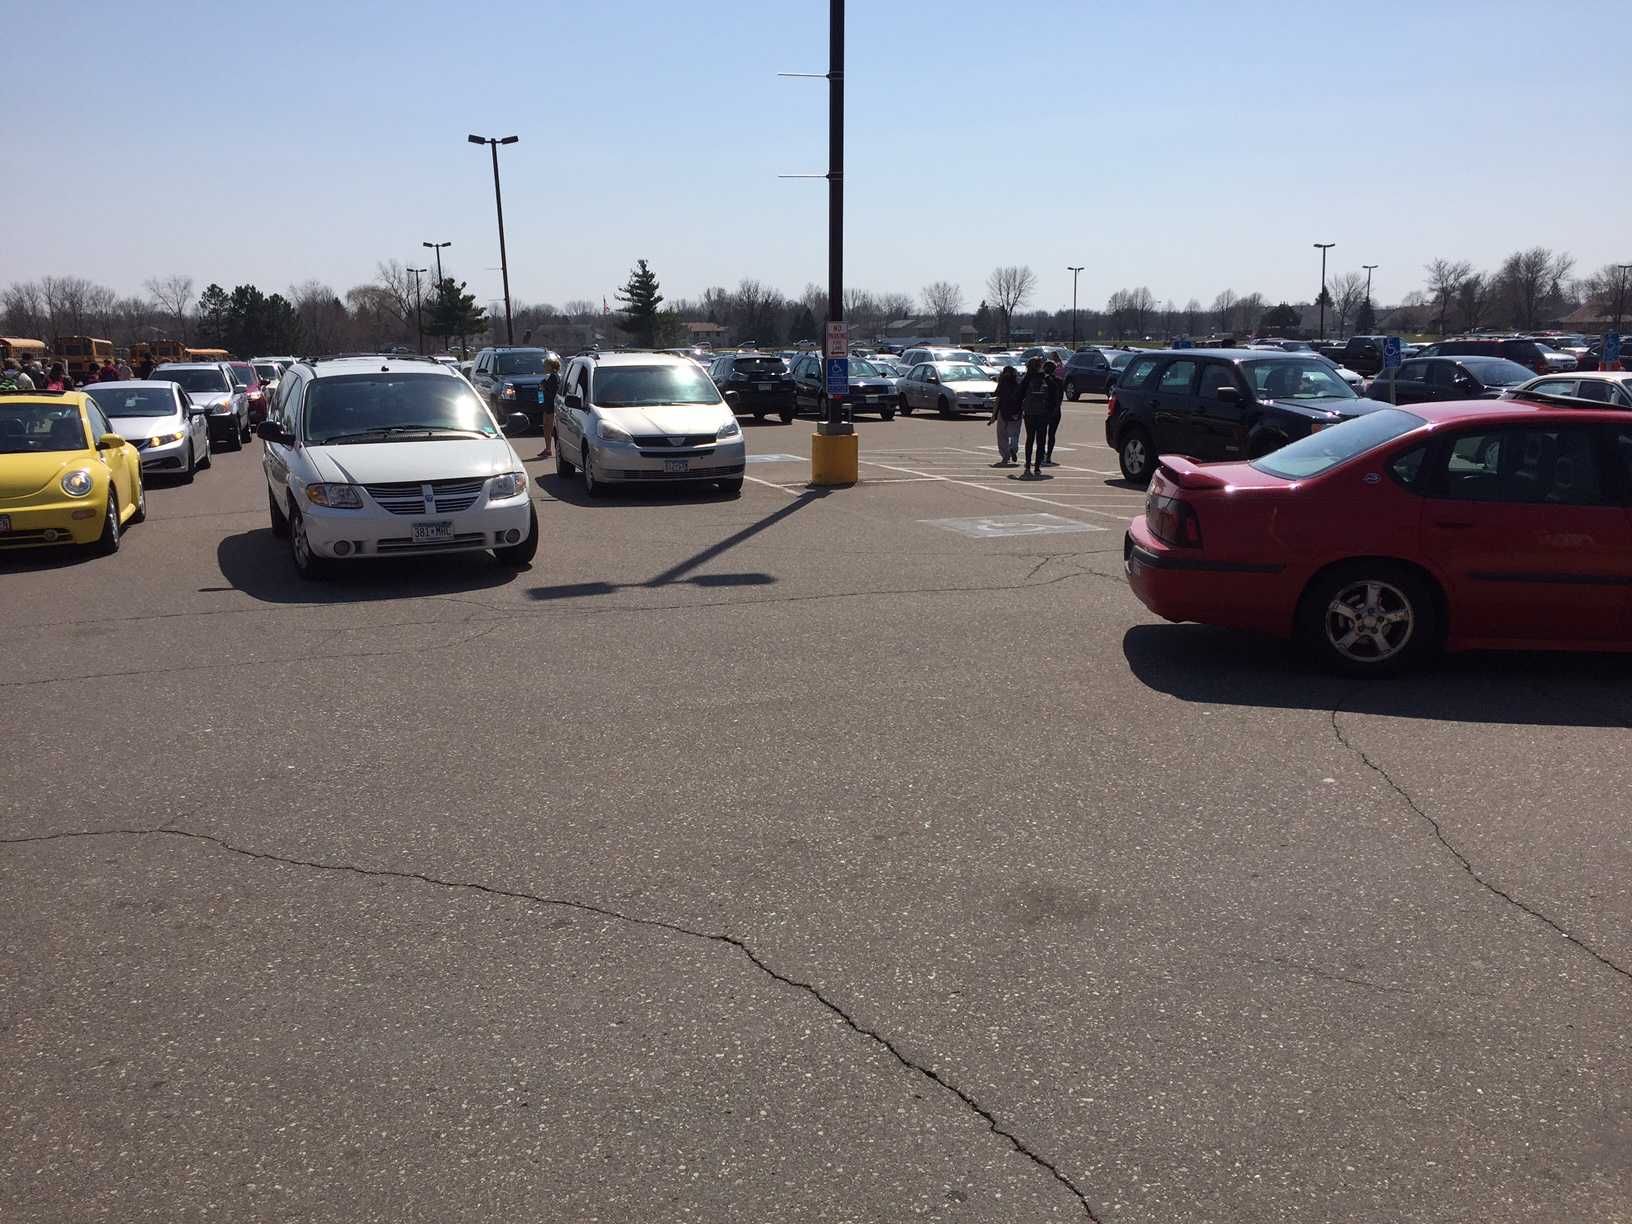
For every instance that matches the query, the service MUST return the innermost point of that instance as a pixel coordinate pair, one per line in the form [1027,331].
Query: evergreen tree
[802,324]
[213,309]
[983,321]
[282,326]
[1281,318]
[246,322]
[1365,319]
[450,311]
[640,300]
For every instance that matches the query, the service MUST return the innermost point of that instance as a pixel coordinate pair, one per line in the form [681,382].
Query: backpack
[1037,402]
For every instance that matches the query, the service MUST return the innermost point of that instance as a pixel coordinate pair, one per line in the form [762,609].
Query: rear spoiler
[1189,475]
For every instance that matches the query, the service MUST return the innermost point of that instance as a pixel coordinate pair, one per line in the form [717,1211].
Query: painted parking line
[996,526]
[775,459]
[969,484]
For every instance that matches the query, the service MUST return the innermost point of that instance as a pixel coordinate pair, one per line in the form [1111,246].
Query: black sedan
[1423,380]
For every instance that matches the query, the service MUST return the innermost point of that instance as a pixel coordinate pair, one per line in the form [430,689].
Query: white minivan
[391,456]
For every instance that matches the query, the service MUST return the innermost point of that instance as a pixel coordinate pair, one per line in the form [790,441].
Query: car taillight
[1111,406]
[1172,521]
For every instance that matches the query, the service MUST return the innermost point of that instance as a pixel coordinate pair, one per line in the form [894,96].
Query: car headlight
[334,496]
[165,439]
[509,392]
[608,432]
[730,430]
[77,483]
[508,484]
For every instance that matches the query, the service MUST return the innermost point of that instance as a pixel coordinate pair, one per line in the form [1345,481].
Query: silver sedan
[949,387]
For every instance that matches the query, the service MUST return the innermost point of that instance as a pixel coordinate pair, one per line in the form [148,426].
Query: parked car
[66,476]
[922,353]
[949,387]
[1557,360]
[1061,357]
[171,434]
[1526,352]
[211,385]
[1362,354]
[370,457]
[510,379]
[1222,404]
[1611,388]
[762,384]
[283,363]
[245,375]
[634,416]
[269,372]
[1094,371]
[1425,379]
[1482,525]
[871,390]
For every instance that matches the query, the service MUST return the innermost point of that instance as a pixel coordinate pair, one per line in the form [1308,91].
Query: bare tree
[1445,277]
[1192,316]
[582,310]
[756,311]
[1008,289]
[1530,280]
[1141,302]
[1224,310]
[895,306]
[174,294]
[862,312]
[323,318]
[943,300]
[716,305]
[1249,310]
[1348,291]
[24,310]
[1473,299]
[1609,290]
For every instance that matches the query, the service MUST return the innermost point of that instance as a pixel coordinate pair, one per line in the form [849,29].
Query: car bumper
[171,457]
[374,532]
[875,403]
[750,399]
[65,521]
[1177,585]
[724,461]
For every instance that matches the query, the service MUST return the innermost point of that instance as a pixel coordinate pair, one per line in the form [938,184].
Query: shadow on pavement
[569,490]
[1210,666]
[257,563]
[46,557]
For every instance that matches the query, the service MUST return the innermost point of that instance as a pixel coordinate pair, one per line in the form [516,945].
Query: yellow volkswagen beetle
[65,476]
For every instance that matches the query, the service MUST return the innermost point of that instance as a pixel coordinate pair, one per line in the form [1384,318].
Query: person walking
[56,378]
[1035,404]
[145,370]
[1006,415]
[1056,396]
[125,372]
[547,391]
[14,375]
[107,373]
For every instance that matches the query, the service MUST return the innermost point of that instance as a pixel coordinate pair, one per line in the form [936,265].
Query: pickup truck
[1362,354]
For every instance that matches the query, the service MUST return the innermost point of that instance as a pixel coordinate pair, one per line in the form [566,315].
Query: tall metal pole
[1324,247]
[419,316]
[437,247]
[1074,269]
[835,423]
[1620,293]
[493,143]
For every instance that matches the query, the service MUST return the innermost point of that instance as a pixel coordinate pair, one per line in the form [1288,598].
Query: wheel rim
[303,550]
[1369,621]
[1133,454]
[113,518]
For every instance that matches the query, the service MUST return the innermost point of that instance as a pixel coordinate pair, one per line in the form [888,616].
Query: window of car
[1407,467]
[1554,386]
[1442,373]
[1411,371]
[393,406]
[1215,374]
[1138,374]
[1321,451]
[1497,371]
[204,382]
[622,386]
[99,420]
[27,428]
[1177,377]
[153,400]
[528,361]
[1526,465]
[1297,378]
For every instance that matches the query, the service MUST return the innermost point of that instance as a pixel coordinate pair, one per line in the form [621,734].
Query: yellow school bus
[84,354]
[206,354]
[160,351]
[21,350]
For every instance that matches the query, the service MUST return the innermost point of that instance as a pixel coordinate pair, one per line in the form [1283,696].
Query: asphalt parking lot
[839,855]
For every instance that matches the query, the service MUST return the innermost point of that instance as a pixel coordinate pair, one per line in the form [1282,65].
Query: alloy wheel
[1369,621]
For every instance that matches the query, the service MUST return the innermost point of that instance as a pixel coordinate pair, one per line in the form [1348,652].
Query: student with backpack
[1006,415]
[1036,404]
[1056,396]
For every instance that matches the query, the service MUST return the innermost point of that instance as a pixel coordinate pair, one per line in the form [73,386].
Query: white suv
[391,456]
[645,417]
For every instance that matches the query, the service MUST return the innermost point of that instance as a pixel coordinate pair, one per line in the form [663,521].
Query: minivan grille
[408,497]
[670,441]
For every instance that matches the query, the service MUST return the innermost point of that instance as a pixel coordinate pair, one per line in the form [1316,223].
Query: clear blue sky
[1191,146]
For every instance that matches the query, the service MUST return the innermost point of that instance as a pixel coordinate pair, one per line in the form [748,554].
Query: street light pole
[1370,268]
[437,247]
[1074,269]
[1620,293]
[493,142]
[1324,247]
[835,423]
[419,317]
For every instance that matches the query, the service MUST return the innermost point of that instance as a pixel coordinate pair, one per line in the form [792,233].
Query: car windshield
[202,381]
[520,363]
[245,374]
[964,373]
[268,373]
[1319,451]
[1497,371]
[376,407]
[28,428]
[1120,360]
[1296,380]
[647,386]
[155,401]
[863,369]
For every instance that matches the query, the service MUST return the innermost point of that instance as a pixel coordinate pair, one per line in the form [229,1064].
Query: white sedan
[171,433]
[949,387]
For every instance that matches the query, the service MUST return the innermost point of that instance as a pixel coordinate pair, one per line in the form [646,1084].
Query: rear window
[1139,372]
[1322,451]
[520,363]
[760,365]
[1497,371]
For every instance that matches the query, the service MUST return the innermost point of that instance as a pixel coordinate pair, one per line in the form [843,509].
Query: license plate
[764,386]
[5,522]
[677,465]
[427,533]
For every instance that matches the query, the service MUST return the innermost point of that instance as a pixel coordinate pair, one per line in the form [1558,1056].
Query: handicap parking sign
[1391,352]
[838,377]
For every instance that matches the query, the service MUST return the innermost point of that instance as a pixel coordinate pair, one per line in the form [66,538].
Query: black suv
[509,380]
[1526,352]
[1423,380]
[1092,370]
[761,381]
[1220,404]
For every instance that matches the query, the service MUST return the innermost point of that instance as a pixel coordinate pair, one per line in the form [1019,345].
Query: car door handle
[1452,524]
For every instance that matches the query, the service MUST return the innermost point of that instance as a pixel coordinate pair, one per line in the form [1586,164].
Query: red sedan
[1472,525]
[244,372]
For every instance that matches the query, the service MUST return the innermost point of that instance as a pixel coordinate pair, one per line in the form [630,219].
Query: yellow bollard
[835,459]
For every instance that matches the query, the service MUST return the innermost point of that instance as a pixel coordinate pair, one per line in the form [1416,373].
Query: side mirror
[733,399]
[573,400]
[197,410]
[272,431]
[109,441]
[516,423]
[1228,395]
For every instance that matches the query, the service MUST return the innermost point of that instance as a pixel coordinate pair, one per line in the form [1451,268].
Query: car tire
[944,406]
[759,418]
[519,556]
[108,542]
[209,453]
[234,443]
[1391,605]
[732,487]
[886,414]
[191,469]
[1071,392]
[906,408]
[141,500]
[280,521]
[592,486]
[1135,453]
[787,416]
[308,564]
[245,432]
[563,465]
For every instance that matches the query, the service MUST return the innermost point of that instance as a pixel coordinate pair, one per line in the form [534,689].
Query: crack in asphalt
[1462,859]
[731,941]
